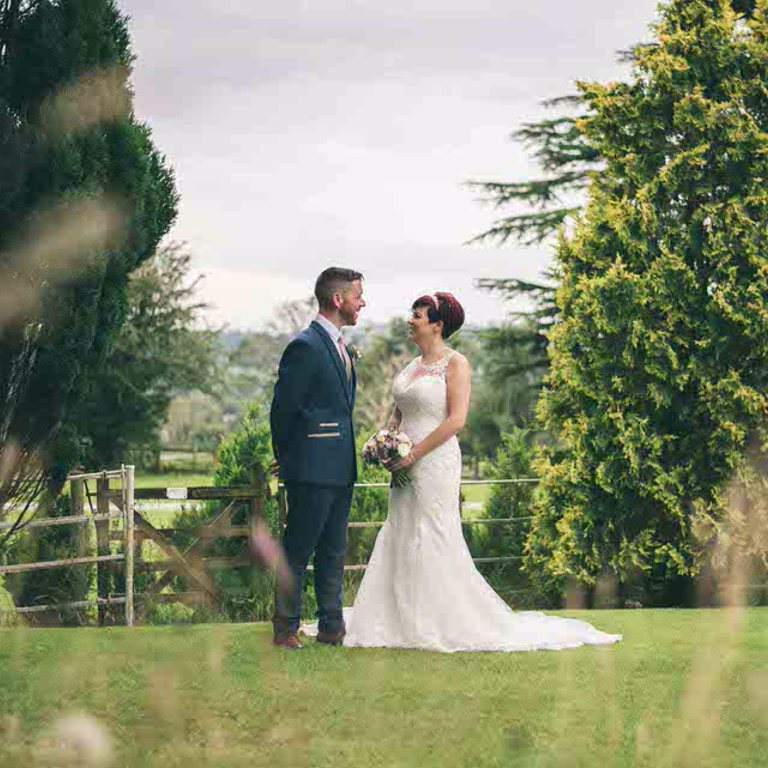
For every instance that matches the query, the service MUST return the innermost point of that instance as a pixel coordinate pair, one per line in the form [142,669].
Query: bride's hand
[400,464]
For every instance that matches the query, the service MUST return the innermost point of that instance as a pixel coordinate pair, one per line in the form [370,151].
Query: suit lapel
[335,358]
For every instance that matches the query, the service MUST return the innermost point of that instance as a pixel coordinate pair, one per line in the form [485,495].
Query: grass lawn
[684,688]
[160,512]
[476,493]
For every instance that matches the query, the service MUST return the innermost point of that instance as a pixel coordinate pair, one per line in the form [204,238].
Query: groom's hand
[274,468]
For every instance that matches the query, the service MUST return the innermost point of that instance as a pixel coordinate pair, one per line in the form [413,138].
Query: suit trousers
[316,522]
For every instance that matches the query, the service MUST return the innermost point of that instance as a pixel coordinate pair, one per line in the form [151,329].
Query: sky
[312,133]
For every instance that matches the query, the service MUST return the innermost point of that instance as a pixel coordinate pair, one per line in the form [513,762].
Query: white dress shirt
[334,333]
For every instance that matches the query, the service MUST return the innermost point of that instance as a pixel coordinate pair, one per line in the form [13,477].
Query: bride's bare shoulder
[457,362]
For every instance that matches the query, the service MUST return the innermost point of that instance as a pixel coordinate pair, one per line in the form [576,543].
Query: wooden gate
[118,519]
[193,563]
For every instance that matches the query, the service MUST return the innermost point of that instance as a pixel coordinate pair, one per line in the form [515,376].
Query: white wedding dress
[421,588]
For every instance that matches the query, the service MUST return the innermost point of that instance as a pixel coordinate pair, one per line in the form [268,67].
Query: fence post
[102,546]
[77,507]
[128,491]
[76,502]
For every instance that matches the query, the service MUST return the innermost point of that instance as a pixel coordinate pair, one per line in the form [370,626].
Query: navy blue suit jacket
[313,438]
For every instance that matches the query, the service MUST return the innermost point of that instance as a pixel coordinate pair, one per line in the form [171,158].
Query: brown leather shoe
[291,642]
[331,638]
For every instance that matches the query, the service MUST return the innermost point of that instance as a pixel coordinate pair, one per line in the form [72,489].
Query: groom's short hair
[332,280]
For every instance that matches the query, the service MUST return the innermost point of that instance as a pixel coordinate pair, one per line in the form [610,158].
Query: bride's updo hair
[445,307]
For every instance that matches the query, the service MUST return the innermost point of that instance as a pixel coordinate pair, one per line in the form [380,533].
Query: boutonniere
[354,352]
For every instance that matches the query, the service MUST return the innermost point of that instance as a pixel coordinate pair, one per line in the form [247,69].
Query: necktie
[345,357]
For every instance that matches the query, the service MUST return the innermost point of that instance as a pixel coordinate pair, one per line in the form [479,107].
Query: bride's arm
[458,385]
[395,419]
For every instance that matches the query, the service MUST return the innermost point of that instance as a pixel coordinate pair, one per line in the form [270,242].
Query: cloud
[308,133]
[252,43]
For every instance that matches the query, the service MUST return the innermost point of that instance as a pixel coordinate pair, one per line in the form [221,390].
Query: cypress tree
[659,358]
[85,200]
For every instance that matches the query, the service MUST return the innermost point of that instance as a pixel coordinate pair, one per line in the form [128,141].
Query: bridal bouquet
[387,445]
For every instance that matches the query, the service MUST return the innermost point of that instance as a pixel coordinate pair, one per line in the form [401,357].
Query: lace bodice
[420,395]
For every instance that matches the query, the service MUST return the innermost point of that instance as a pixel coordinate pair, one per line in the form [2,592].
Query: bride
[421,588]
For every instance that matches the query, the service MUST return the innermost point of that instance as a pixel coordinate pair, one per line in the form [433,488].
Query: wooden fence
[119,517]
[101,517]
[120,505]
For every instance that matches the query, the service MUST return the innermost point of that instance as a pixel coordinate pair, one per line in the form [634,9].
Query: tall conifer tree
[659,358]
[84,200]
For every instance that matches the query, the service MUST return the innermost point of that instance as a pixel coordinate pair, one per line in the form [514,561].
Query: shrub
[8,615]
[247,591]
[510,500]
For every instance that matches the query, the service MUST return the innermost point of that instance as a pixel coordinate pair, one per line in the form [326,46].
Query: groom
[313,441]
